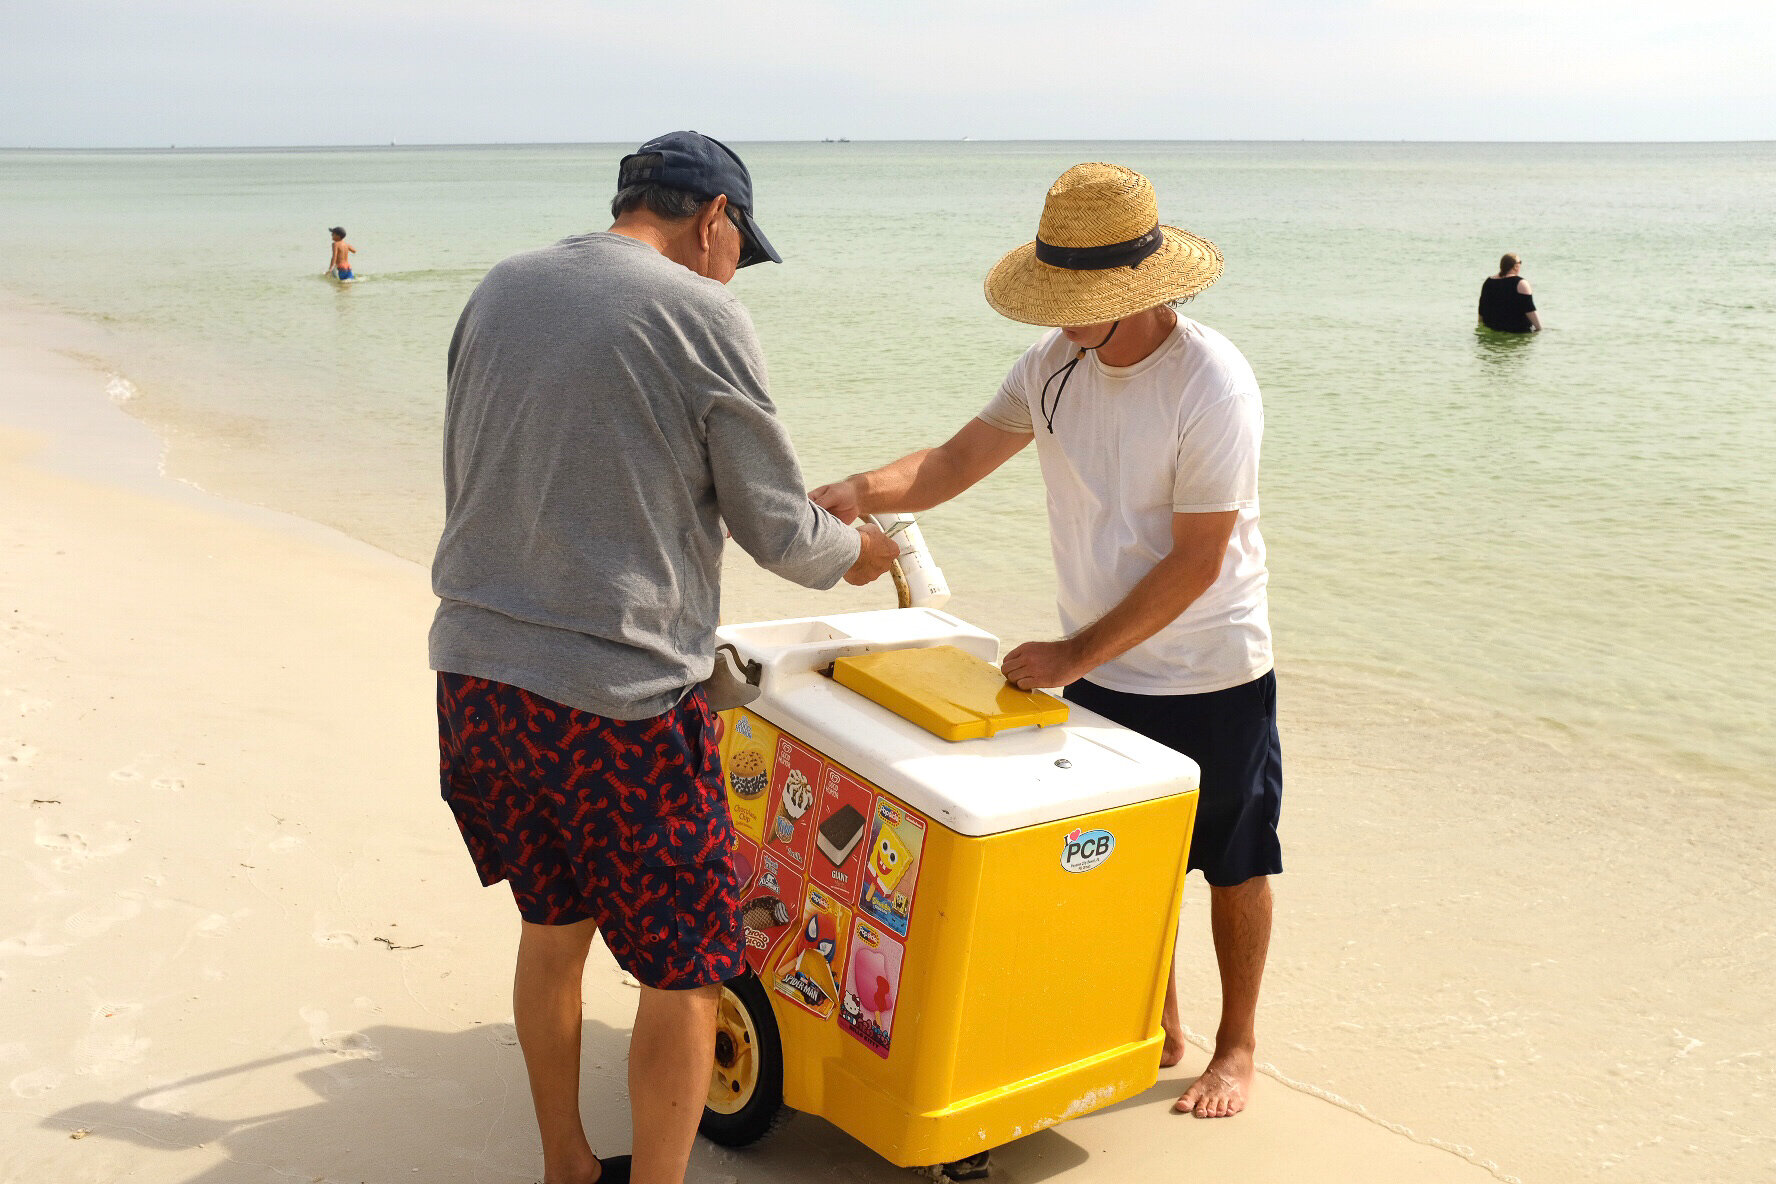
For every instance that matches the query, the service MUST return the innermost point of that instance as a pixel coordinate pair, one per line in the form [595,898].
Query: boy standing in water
[340,265]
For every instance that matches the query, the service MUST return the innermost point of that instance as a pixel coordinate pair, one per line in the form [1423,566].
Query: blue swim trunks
[1232,736]
[344,273]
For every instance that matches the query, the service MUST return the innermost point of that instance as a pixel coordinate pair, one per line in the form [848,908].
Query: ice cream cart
[959,901]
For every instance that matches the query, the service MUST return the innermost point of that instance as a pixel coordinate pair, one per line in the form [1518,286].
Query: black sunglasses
[749,251]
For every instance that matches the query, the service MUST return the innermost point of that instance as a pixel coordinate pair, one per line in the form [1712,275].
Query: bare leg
[1240,920]
[546,1009]
[1172,1021]
[670,1056]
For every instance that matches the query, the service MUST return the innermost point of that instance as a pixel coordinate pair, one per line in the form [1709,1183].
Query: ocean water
[1574,526]
[1541,568]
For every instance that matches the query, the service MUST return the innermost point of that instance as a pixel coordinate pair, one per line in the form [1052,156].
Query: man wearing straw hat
[1147,425]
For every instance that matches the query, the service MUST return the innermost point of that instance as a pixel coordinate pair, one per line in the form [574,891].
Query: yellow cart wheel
[746,1082]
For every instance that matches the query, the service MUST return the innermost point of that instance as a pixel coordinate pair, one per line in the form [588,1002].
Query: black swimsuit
[1503,307]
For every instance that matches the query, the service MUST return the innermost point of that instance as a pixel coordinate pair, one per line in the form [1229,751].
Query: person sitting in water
[340,264]
[1507,302]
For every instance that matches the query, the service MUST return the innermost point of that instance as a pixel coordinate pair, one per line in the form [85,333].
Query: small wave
[433,273]
[1460,1151]
[120,390]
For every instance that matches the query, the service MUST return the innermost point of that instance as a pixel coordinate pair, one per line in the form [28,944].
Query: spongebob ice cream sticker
[891,866]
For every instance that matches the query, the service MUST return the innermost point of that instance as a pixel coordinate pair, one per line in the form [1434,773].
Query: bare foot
[1222,1089]
[1173,1050]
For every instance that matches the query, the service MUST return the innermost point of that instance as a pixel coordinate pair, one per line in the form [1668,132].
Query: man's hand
[1043,664]
[876,555]
[838,499]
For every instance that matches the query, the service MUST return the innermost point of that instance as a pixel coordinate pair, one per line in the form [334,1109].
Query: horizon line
[372,146]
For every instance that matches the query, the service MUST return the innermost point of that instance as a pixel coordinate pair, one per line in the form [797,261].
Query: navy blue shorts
[622,821]
[1232,736]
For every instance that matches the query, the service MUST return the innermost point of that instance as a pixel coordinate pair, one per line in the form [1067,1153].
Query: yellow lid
[947,691]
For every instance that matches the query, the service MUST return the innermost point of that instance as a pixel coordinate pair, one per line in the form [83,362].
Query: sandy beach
[243,942]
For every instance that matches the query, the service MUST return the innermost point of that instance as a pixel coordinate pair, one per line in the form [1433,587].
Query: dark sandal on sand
[615,1170]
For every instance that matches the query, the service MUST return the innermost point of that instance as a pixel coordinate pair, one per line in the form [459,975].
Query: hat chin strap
[1066,372]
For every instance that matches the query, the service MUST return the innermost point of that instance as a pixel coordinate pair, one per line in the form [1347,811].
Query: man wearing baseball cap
[607,414]
[1147,425]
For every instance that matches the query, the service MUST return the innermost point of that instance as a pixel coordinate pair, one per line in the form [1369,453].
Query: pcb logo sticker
[1083,850]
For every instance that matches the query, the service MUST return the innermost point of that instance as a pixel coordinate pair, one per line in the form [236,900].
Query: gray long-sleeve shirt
[607,410]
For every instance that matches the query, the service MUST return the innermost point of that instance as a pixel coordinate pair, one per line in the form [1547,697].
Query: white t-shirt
[1178,431]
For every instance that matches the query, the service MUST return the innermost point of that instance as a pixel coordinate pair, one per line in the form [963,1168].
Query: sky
[148,73]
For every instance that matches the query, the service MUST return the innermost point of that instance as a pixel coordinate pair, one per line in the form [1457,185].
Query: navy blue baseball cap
[707,168]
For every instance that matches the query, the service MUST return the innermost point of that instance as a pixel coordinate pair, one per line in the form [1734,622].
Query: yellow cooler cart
[959,898]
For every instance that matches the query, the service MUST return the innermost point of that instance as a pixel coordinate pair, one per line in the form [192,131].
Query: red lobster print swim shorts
[622,821]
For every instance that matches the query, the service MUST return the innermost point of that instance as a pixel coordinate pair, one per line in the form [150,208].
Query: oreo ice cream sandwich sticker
[840,834]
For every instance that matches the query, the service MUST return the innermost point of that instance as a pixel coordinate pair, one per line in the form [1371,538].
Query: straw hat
[1100,254]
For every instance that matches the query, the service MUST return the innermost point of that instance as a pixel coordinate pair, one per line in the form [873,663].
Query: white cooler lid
[1015,779]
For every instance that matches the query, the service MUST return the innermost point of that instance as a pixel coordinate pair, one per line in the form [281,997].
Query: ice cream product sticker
[746,862]
[790,820]
[839,832]
[809,966]
[891,865]
[749,749]
[769,908]
[872,988]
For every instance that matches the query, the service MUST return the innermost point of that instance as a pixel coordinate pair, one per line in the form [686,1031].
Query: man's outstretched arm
[922,479]
[1199,543]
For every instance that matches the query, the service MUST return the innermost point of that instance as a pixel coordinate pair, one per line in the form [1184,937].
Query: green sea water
[1574,527]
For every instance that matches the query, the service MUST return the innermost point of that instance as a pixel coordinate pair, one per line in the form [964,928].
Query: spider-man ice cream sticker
[810,966]
[1082,850]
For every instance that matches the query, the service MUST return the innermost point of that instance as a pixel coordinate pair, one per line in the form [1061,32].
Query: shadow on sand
[399,1104]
